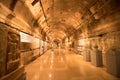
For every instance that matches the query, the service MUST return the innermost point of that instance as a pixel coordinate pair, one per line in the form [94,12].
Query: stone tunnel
[59,39]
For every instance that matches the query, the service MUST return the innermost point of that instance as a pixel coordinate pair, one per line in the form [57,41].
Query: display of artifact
[96,57]
[10,61]
[13,51]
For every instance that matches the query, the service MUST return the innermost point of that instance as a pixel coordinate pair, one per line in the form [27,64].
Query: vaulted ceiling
[66,15]
[70,16]
[58,19]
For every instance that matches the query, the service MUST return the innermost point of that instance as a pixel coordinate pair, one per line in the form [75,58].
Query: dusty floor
[64,65]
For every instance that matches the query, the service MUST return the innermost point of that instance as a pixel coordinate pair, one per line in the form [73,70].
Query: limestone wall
[11,57]
[13,50]
[9,50]
[3,49]
[106,42]
[110,41]
[26,57]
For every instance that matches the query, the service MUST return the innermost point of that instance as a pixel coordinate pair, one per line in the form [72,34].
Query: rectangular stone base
[18,74]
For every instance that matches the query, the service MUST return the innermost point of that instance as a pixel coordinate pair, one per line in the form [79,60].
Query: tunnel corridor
[60,64]
[59,39]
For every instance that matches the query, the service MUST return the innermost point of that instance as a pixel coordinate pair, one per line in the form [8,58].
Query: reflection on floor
[64,65]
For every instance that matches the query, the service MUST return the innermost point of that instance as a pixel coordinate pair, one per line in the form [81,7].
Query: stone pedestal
[113,62]
[86,55]
[96,57]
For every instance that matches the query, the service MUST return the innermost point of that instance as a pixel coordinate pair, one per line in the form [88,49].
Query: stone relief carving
[13,53]
[9,50]
[3,45]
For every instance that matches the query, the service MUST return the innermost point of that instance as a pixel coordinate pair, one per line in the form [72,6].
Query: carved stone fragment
[3,45]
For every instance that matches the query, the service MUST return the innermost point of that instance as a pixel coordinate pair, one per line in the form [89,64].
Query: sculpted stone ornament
[13,57]
[9,50]
[3,45]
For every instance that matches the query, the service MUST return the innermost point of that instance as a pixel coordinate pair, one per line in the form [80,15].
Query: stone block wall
[9,50]
[12,55]
[36,52]
[26,57]
[106,42]
[12,22]
[110,41]
[29,56]
[3,48]
[25,46]
[30,48]
[13,51]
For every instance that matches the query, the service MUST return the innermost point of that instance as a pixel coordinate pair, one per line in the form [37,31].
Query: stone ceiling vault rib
[44,13]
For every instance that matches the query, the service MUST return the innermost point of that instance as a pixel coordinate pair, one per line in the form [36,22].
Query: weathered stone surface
[36,52]
[113,61]
[111,40]
[26,57]
[13,51]
[18,74]
[96,57]
[11,66]
[3,49]
[9,57]
[11,46]
[106,42]
[25,46]
[86,54]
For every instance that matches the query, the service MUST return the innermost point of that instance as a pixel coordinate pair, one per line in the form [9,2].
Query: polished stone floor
[64,65]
